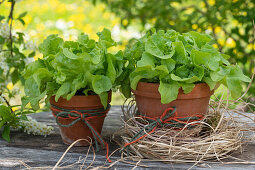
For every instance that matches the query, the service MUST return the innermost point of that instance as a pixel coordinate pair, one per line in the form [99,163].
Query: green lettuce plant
[69,68]
[177,61]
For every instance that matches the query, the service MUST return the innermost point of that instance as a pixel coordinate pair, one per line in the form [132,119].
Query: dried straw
[220,133]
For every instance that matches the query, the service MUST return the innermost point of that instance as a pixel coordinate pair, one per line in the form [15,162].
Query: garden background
[230,22]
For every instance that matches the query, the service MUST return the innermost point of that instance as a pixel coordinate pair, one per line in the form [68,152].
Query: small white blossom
[30,45]
[4,30]
[2,99]
[31,126]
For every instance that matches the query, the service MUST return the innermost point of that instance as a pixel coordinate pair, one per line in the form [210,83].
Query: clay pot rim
[200,90]
[77,101]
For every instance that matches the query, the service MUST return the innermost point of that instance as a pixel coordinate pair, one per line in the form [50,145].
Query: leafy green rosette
[177,61]
[69,68]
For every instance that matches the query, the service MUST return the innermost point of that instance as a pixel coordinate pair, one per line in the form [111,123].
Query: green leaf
[22,15]
[104,99]
[101,84]
[78,83]
[15,75]
[1,17]
[156,47]
[21,20]
[111,72]
[210,82]
[180,53]
[97,55]
[41,77]
[63,90]
[200,39]
[224,59]
[188,74]
[215,54]
[219,75]
[69,54]
[187,87]
[51,45]
[105,37]
[161,70]
[168,91]
[145,72]
[5,112]
[83,38]
[6,133]
[2,122]
[233,81]
[146,60]
[169,63]
[204,58]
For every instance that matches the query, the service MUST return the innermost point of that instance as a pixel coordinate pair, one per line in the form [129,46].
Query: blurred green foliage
[230,22]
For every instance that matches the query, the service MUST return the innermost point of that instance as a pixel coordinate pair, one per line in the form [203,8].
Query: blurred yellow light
[221,41]
[153,20]
[189,11]
[106,15]
[209,28]
[202,4]
[125,22]
[10,86]
[115,21]
[235,22]
[194,26]
[234,1]
[14,109]
[217,29]
[250,46]
[241,31]
[38,56]
[88,29]
[231,43]
[171,23]
[40,27]
[175,4]
[215,46]
[27,19]
[211,2]
[199,30]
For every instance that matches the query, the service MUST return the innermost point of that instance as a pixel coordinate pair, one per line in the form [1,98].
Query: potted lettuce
[169,69]
[77,78]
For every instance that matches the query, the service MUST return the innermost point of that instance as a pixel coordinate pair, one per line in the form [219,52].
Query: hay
[218,135]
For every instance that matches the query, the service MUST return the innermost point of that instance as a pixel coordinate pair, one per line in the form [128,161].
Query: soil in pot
[79,130]
[148,100]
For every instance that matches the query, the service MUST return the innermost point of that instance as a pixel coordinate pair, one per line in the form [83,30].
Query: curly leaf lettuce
[176,61]
[73,67]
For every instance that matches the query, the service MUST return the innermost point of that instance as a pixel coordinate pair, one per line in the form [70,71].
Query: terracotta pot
[148,100]
[79,130]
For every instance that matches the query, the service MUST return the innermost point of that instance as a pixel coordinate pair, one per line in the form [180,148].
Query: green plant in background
[68,68]
[229,22]
[15,52]
[180,61]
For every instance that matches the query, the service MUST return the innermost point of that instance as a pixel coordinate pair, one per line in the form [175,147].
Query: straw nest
[218,135]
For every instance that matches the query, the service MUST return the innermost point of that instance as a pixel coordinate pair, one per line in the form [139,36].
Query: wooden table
[39,151]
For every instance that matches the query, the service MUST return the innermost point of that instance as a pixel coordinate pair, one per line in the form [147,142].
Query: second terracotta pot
[79,130]
[148,100]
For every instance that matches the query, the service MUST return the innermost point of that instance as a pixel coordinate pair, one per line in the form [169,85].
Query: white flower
[4,30]
[31,126]
[30,45]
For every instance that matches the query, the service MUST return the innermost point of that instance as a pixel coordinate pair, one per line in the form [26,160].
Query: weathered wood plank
[45,151]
